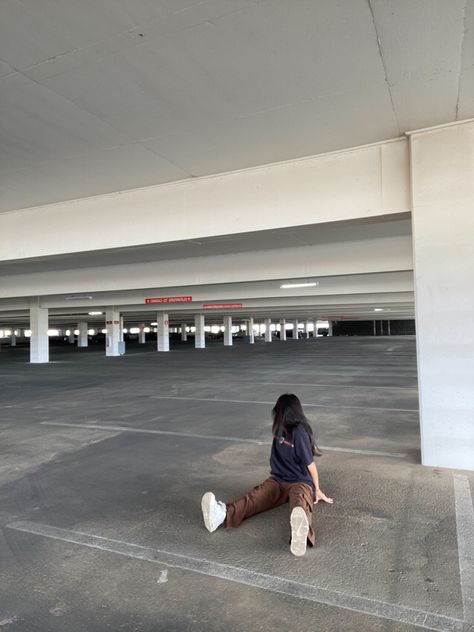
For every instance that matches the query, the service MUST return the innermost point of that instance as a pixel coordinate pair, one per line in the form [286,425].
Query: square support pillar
[82,339]
[13,339]
[250,331]
[268,330]
[200,336]
[228,331]
[162,332]
[442,186]
[283,329]
[71,338]
[112,337]
[330,328]
[184,334]
[306,329]
[295,330]
[121,329]
[39,342]
[141,334]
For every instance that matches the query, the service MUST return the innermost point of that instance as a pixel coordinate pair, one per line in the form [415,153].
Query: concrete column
[200,336]
[250,331]
[268,331]
[295,330]
[142,334]
[82,339]
[13,339]
[184,334]
[71,337]
[283,329]
[330,328]
[39,342]
[388,328]
[162,332]
[112,337]
[306,329]
[121,329]
[442,182]
[228,331]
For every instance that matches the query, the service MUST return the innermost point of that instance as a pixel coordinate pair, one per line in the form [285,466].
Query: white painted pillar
[39,342]
[82,339]
[228,331]
[442,182]
[250,331]
[200,336]
[184,334]
[121,329]
[306,329]
[388,328]
[13,339]
[330,328]
[283,329]
[112,337]
[71,337]
[142,334]
[268,331]
[162,332]
[295,330]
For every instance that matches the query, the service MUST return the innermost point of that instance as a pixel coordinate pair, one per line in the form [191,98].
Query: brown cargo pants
[268,495]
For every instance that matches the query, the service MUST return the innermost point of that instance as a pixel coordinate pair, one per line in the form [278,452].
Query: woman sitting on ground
[293,479]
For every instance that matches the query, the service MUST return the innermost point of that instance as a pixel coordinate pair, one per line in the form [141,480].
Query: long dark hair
[287,414]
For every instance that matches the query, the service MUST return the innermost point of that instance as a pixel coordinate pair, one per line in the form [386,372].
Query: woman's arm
[318,494]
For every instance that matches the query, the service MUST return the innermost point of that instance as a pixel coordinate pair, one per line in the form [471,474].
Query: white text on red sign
[168,299]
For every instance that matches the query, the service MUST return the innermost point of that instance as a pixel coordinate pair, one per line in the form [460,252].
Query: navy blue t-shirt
[291,456]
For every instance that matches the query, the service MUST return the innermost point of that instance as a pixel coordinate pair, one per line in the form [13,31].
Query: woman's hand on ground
[320,495]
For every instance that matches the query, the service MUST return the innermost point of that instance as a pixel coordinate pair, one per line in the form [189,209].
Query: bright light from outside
[7,332]
[286,286]
[91,332]
[154,324]
[134,330]
[215,329]
[68,332]
[76,332]
[27,333]
[104,331]
[95,313]
[53,332]
[125,330]
[146,330]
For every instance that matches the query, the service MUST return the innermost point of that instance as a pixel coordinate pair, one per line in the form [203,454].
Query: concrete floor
[101,519]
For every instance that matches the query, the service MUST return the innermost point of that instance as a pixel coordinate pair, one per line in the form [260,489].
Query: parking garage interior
[206,205]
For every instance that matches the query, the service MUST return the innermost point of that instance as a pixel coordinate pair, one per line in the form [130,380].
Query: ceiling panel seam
[463,41]
[382,59]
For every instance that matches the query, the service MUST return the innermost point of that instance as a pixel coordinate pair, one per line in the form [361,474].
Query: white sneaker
[299,531]
[213,511]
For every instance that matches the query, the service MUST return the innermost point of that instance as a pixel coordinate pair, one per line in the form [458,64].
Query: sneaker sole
[299,531]
[206,502]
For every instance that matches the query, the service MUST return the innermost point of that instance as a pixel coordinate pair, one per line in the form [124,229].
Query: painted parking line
[271,583]
[249,401]
[465,535]
[191,435]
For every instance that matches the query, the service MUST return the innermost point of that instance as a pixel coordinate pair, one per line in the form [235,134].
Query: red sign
[169,299]
[339,318]
[112,322]
[222,305]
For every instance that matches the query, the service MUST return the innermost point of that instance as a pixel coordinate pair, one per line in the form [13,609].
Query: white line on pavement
[308,592]
[190,435]
[465,533]
[247,401]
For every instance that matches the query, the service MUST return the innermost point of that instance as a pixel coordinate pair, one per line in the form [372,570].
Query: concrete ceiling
[115,94]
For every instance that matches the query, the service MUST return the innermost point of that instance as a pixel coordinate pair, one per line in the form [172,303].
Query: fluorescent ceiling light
[95,313]
[78,297]
[378,309]
[290,285]
[154,324]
